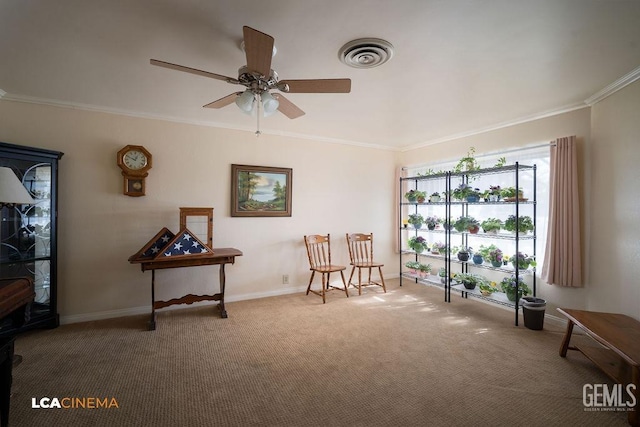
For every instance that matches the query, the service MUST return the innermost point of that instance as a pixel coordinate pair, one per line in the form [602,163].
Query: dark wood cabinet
[28,233]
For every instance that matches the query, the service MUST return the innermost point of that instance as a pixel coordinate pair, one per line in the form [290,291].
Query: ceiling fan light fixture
[245,101]
[269,103]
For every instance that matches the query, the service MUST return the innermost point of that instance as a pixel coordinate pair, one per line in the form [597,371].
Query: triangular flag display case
[166,246]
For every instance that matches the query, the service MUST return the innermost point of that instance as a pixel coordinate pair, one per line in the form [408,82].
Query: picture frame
[260,191]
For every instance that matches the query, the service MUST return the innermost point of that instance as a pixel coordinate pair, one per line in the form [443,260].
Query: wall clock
[135,162]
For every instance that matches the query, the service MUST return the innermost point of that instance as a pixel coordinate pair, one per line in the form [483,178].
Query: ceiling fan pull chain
[258,113]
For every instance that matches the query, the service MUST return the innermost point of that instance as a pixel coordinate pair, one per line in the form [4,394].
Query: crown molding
[137,114]
[503,125]
[613,87]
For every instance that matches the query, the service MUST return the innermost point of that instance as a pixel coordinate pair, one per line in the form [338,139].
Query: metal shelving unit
[449,181]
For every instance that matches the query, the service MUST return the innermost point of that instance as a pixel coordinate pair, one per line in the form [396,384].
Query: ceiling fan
[258,77]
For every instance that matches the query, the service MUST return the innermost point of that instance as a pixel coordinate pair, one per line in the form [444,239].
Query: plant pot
[434,199]
[469,286]
[464,256]
[431,227]
[420,199]
[477,259]
[474,230]
[473,199]
[486,293]
[494,232]
[418,249]
[496,264]
[423,274]
[511,295]
[521,265]
[417,226]
[494,198]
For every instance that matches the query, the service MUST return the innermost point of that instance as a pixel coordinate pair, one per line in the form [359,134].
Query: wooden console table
[220,256]
[620,360]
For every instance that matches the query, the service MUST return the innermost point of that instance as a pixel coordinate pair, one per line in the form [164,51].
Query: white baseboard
[134,311]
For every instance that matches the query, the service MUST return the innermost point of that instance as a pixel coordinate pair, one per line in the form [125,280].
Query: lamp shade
[11,189]
[269,103]
[245,101]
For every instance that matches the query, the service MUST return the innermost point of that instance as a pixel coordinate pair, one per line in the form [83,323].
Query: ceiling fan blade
[318,86]
[223,102]
[193,71]
[258,47]
[287,107]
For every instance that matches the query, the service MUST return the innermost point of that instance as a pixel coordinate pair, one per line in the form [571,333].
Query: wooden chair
[361,254]
[319,253]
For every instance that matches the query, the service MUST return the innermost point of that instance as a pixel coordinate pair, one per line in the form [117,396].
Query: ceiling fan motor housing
[256,82]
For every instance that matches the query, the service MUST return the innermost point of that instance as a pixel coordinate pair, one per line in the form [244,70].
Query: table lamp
[12,192]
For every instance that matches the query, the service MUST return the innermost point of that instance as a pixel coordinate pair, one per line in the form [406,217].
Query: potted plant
[448,223]
[435,197]
[438,248]
[412,266]
[424,269]
[495,257]
[416,220]
[432,222]
[509,194]
[487,288]
[468,162]
[523,260]
[466,223]
[493,193]
[442,273]
[466,192]
[469,280]
[464,253]
[508,285]
[418,244]
[491,225]
[415,196]
[523,224]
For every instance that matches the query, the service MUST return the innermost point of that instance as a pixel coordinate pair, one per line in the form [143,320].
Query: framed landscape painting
[260,191]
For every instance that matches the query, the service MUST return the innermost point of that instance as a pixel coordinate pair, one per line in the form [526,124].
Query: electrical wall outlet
[285,279]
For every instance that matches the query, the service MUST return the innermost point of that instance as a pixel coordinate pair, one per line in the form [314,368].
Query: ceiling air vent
[366,53]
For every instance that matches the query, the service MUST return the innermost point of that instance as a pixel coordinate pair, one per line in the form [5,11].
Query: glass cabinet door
[27,234]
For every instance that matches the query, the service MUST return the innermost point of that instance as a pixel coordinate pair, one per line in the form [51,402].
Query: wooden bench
[620,360]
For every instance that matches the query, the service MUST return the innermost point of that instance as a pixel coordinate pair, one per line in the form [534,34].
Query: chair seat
[367,264]
[328,268]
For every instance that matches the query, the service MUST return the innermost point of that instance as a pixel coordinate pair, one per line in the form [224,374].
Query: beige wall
[336,189]
[615,250]
[609,154]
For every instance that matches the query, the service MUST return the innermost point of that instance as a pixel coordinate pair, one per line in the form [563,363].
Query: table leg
[223,311]
[152,321]
[567,337]
[634,416]
[5,374]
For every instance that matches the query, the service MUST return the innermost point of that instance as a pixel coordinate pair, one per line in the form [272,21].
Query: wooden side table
[620,360]
[220,256]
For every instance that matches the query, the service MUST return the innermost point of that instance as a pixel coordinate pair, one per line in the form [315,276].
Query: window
[538,155]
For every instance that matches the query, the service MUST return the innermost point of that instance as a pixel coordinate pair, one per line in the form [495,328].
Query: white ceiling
[458,67]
